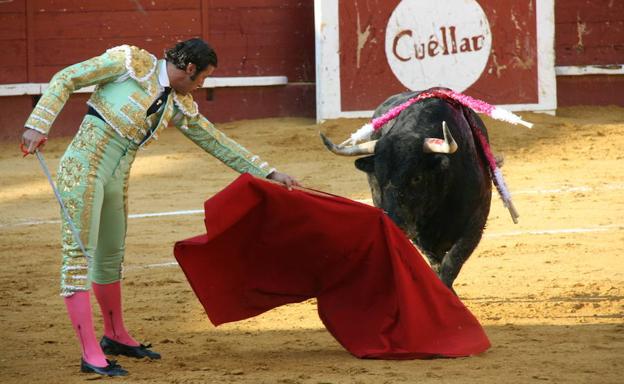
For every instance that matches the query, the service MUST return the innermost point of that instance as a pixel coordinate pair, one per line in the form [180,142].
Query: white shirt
[163,76]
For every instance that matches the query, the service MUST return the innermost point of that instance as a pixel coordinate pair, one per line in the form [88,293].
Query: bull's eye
[415,180]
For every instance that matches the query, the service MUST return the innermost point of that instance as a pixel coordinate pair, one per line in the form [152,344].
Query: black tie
[158,102]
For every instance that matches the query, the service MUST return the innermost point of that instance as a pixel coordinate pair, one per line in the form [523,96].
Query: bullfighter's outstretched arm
[203,133]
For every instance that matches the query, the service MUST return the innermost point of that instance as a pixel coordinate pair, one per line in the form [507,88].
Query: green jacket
[127,84]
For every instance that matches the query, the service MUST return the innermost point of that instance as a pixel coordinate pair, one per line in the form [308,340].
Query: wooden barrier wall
[252,38]
[590,33]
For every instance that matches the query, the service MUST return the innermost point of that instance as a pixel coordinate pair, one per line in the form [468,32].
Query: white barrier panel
[368,50]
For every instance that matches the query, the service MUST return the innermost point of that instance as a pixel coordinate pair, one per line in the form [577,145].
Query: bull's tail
[495,172]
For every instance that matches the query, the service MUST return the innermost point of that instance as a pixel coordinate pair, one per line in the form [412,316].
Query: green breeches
[93,182]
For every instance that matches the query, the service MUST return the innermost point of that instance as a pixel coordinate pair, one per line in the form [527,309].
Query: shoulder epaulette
[139,63]
[186,104]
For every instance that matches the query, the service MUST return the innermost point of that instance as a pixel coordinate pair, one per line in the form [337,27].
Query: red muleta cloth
[266,246]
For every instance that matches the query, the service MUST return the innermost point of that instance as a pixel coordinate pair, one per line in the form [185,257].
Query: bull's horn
[367,148]
[435,145]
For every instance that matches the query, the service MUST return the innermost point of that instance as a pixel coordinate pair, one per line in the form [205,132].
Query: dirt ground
[549,290]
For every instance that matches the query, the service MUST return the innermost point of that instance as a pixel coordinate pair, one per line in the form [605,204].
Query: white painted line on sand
[160,214]
[147,266]
[556,191]
[370,202]
[600,228]
[131,216]
[491,235]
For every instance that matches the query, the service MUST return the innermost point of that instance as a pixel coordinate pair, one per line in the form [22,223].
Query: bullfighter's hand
[33,140]
[283,178]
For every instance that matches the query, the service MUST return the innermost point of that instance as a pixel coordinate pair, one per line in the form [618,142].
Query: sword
[46,171]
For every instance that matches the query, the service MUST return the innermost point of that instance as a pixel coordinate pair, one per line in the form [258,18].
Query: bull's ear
[366,164]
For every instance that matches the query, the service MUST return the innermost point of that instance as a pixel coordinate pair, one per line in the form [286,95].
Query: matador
[135,98]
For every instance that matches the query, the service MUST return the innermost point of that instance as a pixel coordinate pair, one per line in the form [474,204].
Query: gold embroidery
[95,159]
[137,120]
[113,119]
[36,124]
[47,104]
[186,104]
[77,180]
[85,137]
[125,196]
[143,63]
[139,63]
[153,87]
[53,104]
[96,70]
[72,170]
[140,100]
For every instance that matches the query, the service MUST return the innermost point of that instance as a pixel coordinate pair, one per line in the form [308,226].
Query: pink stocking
[109,298]
[79,310]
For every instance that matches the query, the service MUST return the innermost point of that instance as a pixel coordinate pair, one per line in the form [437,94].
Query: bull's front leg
[455,258]
[434,261]
[434,258]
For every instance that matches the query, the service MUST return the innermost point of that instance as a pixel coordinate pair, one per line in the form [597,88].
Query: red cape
[266,246]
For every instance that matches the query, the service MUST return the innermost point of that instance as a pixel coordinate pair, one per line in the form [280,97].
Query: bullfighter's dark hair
[195,51]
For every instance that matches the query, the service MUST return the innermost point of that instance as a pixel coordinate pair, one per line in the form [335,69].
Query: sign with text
[499,51]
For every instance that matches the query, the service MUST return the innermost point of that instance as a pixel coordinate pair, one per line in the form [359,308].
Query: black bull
[440,200]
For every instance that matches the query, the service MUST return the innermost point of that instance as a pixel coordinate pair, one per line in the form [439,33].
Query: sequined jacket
[126,80]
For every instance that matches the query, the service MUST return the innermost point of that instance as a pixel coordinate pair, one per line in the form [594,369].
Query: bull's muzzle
[367,148]
[446,145]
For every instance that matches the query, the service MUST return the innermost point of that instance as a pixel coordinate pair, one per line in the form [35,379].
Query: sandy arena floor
[549,290]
